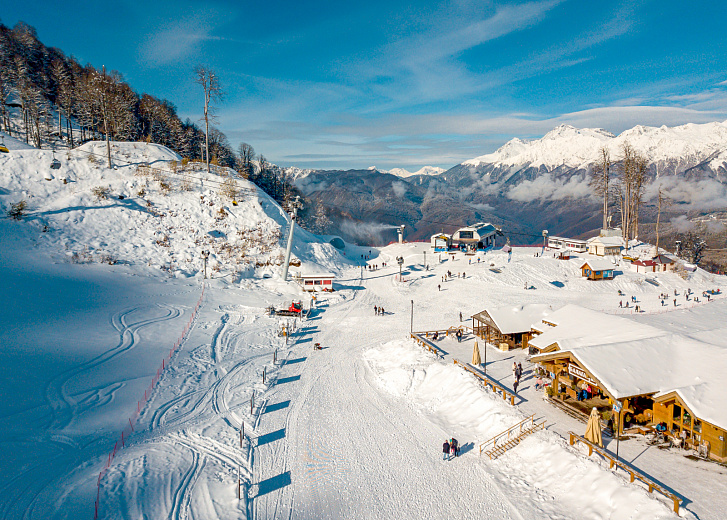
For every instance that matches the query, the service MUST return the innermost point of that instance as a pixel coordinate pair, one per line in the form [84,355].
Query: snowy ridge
[566,145]
[424,170]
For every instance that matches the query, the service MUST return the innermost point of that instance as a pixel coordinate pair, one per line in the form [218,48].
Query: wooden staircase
[511,437]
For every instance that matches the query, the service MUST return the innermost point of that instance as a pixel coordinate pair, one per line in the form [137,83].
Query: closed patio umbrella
[593,430]
[476,355]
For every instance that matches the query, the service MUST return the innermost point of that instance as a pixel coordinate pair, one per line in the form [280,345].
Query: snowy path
[340,449]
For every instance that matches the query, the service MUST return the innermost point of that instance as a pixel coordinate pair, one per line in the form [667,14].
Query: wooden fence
[633,473]
[488,382]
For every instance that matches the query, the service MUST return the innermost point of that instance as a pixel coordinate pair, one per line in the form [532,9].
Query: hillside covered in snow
[150,210]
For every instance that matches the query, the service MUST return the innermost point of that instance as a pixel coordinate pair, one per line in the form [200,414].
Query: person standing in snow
[675,302]
[439,287]
[514,385]
[621,304]
[376,310]
[460,315]
[514,370]
[519,371]
[455,447]
[445,450]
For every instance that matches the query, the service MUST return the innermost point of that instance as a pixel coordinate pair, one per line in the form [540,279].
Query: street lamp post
[205,256]
[411,328]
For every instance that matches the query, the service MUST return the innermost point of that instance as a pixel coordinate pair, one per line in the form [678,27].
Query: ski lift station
[478,237]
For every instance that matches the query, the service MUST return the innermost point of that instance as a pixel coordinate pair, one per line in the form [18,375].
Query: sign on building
[578,372]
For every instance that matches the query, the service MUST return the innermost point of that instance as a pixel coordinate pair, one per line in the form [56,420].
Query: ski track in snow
[60,400]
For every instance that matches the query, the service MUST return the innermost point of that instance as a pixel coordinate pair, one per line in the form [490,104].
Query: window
[317,282]
[326,282]
[466,234]
[677,414]
[697,426]
[309,282]
[687,419]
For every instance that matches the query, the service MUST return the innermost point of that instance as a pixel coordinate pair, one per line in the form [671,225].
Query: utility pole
[205,256]
[293,214]
[425,259]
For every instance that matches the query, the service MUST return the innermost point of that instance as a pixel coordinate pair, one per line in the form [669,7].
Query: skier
[376,310]
[445,450]
[382,311]
[620,304]
[460,315]
[463,274]
[675,302]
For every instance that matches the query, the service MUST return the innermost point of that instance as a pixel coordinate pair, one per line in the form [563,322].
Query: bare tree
[601,181]
[246,155]
[631,188]
[662,200]
[210,83]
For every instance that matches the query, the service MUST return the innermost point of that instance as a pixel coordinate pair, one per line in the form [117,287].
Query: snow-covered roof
[598,264]
[607,241]
[631,358]
[511,320]
[578,326]
[646,263]
[663,259]
[309,270]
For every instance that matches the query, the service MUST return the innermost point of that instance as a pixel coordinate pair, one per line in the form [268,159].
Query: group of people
[374,267]
[450,449]
[379,310]
[517,373]
[450,275]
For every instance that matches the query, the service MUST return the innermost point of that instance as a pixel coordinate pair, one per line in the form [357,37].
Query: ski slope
[350,431]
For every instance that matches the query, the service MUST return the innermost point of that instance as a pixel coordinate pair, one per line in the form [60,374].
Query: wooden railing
[427,344]
[506,394]
[633,473]
[506,434]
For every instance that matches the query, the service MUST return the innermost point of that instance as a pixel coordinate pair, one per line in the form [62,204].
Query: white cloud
[682,224]
[544,187]
[399,188]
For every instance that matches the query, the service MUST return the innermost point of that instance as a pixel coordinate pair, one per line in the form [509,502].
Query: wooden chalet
[598,360]
[597,269]
[508,327]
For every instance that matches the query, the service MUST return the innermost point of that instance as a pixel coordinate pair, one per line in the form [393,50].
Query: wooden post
[243,425]
[676,504]
[264,374]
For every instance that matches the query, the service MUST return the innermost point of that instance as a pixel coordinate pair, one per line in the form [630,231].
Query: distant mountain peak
[424,170]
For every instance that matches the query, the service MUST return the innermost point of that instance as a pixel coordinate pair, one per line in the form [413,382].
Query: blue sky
[406,84]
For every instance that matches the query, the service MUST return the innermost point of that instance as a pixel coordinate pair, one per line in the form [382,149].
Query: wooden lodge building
[597,269]
[595,359]
[508,327]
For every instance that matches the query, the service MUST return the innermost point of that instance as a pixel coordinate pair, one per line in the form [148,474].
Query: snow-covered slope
[13,143]
[676,148]
[90,213]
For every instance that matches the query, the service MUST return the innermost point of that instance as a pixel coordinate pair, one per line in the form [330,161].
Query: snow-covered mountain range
[669,150]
